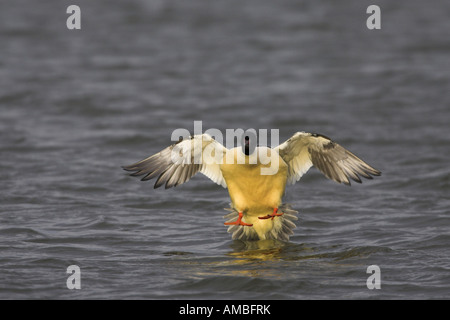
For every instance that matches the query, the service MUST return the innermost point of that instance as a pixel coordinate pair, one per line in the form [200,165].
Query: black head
[249,144]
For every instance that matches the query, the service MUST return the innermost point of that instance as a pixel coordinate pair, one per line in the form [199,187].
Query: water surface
[77,105]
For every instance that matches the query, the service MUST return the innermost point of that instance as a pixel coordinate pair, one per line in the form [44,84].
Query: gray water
[78,104]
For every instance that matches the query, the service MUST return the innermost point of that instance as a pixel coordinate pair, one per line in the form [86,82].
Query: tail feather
[245,233]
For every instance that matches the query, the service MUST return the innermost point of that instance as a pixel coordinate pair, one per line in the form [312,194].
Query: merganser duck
[256,184]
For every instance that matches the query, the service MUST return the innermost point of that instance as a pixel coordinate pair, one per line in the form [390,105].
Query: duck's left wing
[304,150]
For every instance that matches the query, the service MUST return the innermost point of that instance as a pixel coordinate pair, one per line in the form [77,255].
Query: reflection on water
[270,260]
[247,252]
[253,258]
[269,250]
[261,259]
[262,249]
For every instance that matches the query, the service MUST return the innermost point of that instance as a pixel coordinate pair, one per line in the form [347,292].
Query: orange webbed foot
[239,222]
[273,215]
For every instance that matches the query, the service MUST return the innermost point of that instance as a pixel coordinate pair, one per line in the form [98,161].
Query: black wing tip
[368,176]
[159,184]
[127,168]
[373,173]
[358,177]
[131,168]
[135,172]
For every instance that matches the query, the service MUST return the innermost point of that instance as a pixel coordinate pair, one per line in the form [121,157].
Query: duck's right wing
[179,162]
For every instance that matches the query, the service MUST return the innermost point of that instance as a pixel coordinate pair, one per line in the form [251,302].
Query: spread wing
[179,162]
[304,150]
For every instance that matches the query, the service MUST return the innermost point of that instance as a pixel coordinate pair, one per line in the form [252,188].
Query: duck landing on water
[255,187]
